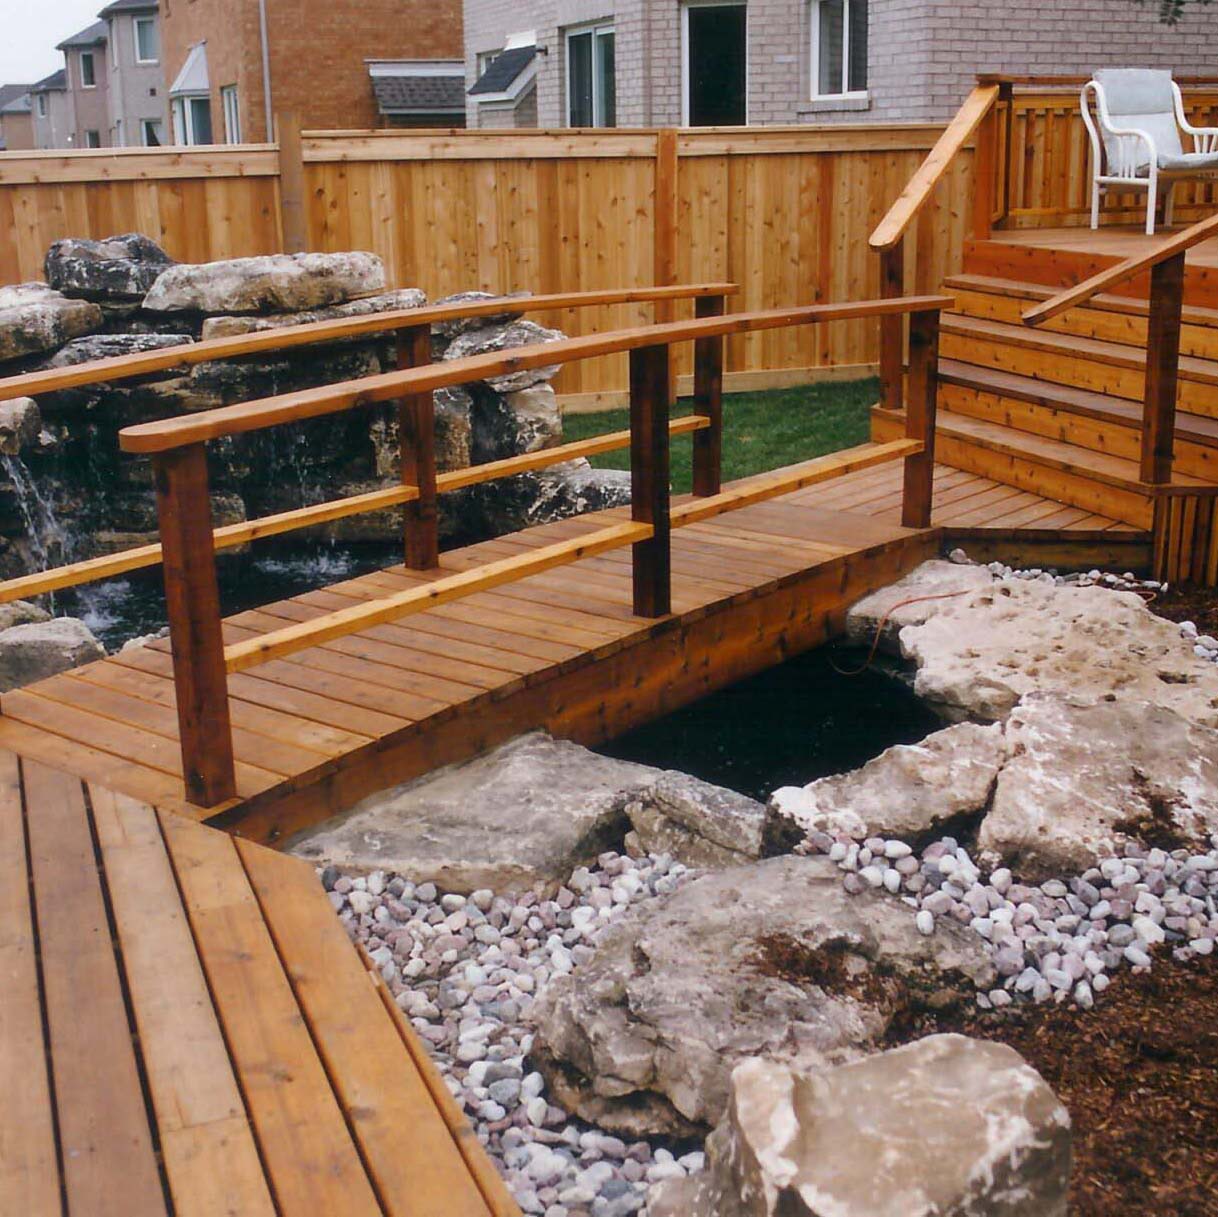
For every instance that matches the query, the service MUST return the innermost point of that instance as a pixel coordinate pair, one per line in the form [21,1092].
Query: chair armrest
[1131,171]
[1205,139]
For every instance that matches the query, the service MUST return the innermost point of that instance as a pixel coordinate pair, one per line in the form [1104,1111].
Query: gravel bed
[465,970]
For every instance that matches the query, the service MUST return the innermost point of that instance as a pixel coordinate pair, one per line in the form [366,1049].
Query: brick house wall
[317,53]
[923,54]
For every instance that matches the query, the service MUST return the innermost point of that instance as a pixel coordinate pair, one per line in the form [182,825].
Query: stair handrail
[938,160]
[1172,246]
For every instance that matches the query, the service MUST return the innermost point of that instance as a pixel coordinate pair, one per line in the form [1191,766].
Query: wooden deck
[1115,241]
[562,649]
[188,1030]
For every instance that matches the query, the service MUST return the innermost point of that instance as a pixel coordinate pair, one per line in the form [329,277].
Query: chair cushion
[1190,160]
[1130,91]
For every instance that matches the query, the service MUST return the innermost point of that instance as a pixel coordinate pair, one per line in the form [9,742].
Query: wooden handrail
[229,536]
[1171,246]
[167,434]
[143,363]
[921,186]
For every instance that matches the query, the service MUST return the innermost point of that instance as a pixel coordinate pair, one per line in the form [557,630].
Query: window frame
[93,138]
[43,106]
[592,30]
[145,123]
[136,22]
[686,78]
[230,104]
[182,116]
[92,70]
[814,90]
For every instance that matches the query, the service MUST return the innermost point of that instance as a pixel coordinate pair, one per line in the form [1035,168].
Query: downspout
[266,72]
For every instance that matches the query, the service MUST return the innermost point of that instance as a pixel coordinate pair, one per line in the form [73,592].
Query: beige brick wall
[923,56]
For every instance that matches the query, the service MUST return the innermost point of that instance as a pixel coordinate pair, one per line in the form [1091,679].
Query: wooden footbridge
[184,1027]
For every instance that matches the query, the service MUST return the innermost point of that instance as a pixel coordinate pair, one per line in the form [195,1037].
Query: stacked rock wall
[125,295]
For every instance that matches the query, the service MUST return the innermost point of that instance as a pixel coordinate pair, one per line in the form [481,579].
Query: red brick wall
[317,51]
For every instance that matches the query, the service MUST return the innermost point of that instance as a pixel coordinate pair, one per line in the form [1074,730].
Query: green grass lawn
[761,431]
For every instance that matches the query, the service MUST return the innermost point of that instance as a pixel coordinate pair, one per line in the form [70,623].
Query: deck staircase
[1057,410]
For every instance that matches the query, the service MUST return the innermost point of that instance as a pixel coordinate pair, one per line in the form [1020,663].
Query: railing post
[193,601]
[1162,369]
[708,402]
[892,329]
[417,438]
[649,478]
[985,175]
[664,237]
[291,183]
[920,418]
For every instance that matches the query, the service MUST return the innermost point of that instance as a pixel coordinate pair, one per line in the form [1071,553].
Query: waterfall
[46,537]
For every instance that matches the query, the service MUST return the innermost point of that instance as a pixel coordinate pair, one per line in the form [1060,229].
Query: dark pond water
[787,726]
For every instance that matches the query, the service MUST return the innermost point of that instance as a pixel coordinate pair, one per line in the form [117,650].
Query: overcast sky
[29,30]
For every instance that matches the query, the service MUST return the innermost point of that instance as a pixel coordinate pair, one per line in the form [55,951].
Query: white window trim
[230,103]
[814,73]
[598,101]
[183,122]
[685,7]
[93,58]
[135,37]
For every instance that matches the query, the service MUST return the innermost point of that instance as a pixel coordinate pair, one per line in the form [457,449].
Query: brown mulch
[1196,604]
[1139,1076]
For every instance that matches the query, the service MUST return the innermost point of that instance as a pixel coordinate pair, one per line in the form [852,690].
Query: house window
[839,47]
[232,114]
[192,120]
[88,71]
[151,132]
[147,41]
[591,90]
[485,59]
[42,105]
[92,139]
[714,65]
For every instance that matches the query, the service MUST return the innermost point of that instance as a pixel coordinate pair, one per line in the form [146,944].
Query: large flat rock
[234,327]
[772,958]
[524,815]
[944,1127]
[35,318]
[37,649]
[121,268]
[276,283]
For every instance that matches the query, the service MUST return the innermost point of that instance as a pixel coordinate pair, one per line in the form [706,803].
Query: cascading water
[46,538]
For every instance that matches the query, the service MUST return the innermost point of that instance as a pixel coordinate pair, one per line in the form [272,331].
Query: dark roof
[9,93]
[19,104]
[56,82]
[504,69]
[420,94]
[90,36]
[127,6]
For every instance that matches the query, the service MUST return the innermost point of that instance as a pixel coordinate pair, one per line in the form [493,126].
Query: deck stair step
[1080,477]
[1066,359]
[1106,317]
[1096,421]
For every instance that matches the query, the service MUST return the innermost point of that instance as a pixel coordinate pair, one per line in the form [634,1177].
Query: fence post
[417,438]
[193,601]
[650,369]
[291,184]
[920,418]
[708,401]
[892,329]
[1162,369]
[665,232]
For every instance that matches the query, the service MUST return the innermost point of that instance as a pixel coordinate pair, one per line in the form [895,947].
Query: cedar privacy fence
[177,446]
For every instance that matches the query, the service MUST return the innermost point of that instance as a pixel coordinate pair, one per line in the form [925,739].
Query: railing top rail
[921,186]
[1122,272]
[167,434]
[1076,82]
[122,367]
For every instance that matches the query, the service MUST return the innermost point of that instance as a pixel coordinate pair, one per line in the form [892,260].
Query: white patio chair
[1139,115]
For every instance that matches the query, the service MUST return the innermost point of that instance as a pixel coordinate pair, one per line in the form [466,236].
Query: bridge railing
[177,447]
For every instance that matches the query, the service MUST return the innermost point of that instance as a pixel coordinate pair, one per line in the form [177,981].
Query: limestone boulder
[446,331]
[912,600]
[979,654]
[21,612]
[696,823]
[39,649]
[109,346]
[522,816]
[35,318]
[121,268]
[1081,780]
[20,424]
[773,958]
[944,1127]
[913,792]
[508,424]
[276,283]
[497,339]
[235,327]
